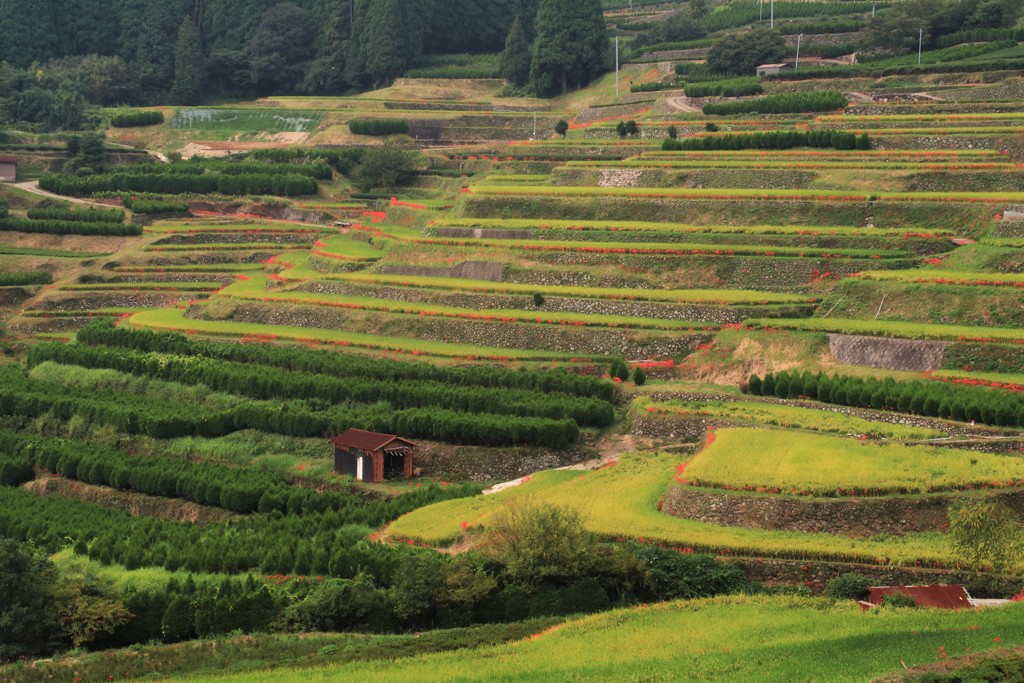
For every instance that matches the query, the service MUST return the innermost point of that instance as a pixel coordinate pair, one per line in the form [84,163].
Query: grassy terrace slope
[622,502]
[723,639]
[892,328]
[174,320]
[810,464]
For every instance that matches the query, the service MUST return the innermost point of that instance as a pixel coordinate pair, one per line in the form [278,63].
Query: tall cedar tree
[391,41]
[515,60]
[189,65]
[148,27]
[281,48]
[28,31]
[571,45]
[326,75]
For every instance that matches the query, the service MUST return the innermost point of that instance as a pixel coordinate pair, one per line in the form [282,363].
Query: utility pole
[797,66]
[616,66]
[534,125]
[872,10]
[760,11]
[920,42]
[772,24]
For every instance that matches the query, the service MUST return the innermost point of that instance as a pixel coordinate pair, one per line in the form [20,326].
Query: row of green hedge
[134,119]
[152,206]
[731,87]
[262,382]
[54,227]
[83,215]
[339,364]
[25,277]
[781,103]
[934,399]
[835,139]
[159,183]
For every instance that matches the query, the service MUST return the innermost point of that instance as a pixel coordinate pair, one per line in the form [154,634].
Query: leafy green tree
[391,40]
[538,544]
[632,129]
[986,533]
[896,30]
[571,45]
[326,74]
[383,167]
[189,65]
[742,53]
[639,377]
[147,29]
[562,127]
[281,48]
[514,64]
[29,618]
[28,31]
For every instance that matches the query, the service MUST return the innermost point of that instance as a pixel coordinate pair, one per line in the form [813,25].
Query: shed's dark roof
[363,440]
[949,597]
[8,160]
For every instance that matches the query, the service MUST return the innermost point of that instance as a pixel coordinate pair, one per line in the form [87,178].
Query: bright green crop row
[900,329]
[174,320]
[787,164]
[185,227]
[621,502]
[941,118]
[714,193]
[792,462]
[895,155]
[49,253]
[779,415]
[229,246]
[641,226]
[195,267]
[254,290]
[992,378]
[735,639]
[698,296]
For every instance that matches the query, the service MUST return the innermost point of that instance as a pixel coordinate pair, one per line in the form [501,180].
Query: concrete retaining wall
[890,354]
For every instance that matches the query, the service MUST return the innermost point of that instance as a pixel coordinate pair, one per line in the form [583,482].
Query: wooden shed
[8,169]
[952,596]
[372,457]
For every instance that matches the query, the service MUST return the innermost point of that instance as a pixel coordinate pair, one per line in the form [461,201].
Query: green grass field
[741,639]
[950,277]
[145,286]
[812,464]
[266,121]
[621,502]
[786,416]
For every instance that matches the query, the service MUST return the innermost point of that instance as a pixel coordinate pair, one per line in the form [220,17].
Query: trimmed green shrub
[150,206]
[835,139]
[84,215]
[731,87]
[848,586]
[53,227]
[782,103]
[134,119]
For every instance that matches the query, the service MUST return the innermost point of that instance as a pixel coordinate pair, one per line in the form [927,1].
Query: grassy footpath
[812,464]
[621,502]
[173,319]
[738,639]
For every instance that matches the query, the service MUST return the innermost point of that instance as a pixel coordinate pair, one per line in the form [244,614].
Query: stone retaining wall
[890,354]
[467,270]
[854,517]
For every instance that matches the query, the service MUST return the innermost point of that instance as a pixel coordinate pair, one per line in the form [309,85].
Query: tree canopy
[571,45]
[742,53]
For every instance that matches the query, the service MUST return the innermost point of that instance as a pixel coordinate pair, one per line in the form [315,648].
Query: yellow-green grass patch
[894,328]
[622,502]
[813,464]
[734,639]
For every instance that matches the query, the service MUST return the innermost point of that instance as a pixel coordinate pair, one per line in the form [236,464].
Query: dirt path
[682,104]
[33,187]
[608,451]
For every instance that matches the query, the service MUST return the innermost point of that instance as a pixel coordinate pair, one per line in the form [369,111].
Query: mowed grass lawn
[622,502]
[827,465]
[737,638]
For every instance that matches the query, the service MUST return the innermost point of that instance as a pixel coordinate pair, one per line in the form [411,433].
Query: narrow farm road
[682,104]
[608,451]
[33,187]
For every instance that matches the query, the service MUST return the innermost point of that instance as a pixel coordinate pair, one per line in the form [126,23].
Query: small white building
[770,69]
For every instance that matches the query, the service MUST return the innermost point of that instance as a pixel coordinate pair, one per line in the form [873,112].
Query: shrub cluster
[134,119]
[152,206]
[55,227]
[835,139]
[342,160]
[934,399]
[158,418]
[337,364]
[781,103]
[83,215]
[3,209]
[730,87]
[980,35]
[290,185]
[25,277]
[378,126]
[653,86]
